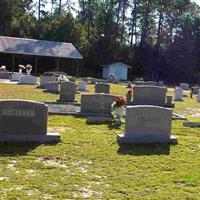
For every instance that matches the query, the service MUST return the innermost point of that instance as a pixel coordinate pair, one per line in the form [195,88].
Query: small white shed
[119,69]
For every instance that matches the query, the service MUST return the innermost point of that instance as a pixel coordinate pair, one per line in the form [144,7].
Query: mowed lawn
[89,164]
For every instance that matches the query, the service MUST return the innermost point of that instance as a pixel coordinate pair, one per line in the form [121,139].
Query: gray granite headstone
[25,121]
[5,75]
[44,80]
[185,86]
[27,80]
[97,104]
[195,89]
[52,87]
[149,95]
[102,88]
[67,91]
[147,124]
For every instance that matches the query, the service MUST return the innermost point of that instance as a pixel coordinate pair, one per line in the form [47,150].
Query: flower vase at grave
[120,112]
[129,97]
[20,71]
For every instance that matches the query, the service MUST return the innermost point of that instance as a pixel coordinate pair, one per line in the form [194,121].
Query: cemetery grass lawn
[88,163]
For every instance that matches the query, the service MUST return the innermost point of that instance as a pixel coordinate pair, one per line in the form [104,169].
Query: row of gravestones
[178,93]
[19,77]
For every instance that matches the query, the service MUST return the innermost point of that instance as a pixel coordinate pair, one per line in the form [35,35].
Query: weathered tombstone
[16,76]
[195,90]
[67,91]
[93,80]
[44,80]
[185,86]
[149,95]
[160,83]
[150,83]
[52,87]
[25,121]
[82,86]
[178,94]
[169,101]
[85,79]
[147,124]
[139,82]
[97,104]
[5,75]
[102,88]
[27,80]
[198,97]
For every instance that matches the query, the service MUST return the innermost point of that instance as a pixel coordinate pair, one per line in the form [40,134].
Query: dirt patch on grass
[52,162]
[59,129]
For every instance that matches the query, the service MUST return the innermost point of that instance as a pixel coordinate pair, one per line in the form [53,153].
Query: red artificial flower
[117,97]
[130,91]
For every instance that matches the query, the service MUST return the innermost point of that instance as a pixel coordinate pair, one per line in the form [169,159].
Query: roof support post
[13,63]
[36,64]
[57,63]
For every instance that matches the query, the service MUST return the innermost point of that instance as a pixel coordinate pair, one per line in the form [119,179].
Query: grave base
[192,124]
[65,101]
[27,83]
[124,140]
[21,138]
[51,91]
[98,119]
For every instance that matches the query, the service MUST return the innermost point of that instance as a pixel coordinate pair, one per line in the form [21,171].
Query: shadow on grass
[144,149]
[16,149]
[114,125]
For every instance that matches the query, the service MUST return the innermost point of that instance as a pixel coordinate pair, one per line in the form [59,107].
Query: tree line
[159,38]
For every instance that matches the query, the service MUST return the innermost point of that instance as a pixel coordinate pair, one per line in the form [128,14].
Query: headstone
[195,90]
[28,80]
[5,75]
[160,83]
[139,82]
[102,88]
[169,101]
[116,80]
[25,121]
[178,94]
[147,124]
[149,95]
[67,92]
[44,80]
[97,104]
[52,87]
[150,83]
[192,124]
[93,80]
[16,76]
[85,79]
[185,86]
[198,97]
[82,86]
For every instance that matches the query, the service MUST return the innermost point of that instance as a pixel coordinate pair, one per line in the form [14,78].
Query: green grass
[89,164]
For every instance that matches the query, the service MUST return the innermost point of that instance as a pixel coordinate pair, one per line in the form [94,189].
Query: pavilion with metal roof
[36,48]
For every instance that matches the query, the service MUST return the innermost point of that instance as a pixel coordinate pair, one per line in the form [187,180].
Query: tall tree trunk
[159,30]
[145,26]
[123,19]
[39,10]
[134,23]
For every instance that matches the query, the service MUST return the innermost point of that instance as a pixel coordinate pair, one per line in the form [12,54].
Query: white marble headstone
[82,86]
[178,94]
